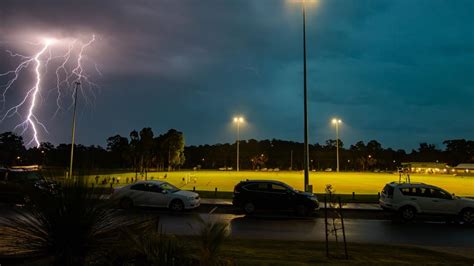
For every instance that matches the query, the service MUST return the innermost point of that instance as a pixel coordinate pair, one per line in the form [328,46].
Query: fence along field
[343,183]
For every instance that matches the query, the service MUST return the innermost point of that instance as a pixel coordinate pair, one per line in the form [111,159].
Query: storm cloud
[401,72]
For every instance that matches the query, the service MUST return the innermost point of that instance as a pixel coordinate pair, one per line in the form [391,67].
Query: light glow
[49,41]
[238,119]
[336,121]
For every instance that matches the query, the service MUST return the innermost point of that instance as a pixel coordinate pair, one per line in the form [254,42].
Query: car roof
[263,181]
[156,182]
[411,184]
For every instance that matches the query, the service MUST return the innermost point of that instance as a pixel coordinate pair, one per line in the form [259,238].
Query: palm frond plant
[72,227]
[211,236]
[156,248]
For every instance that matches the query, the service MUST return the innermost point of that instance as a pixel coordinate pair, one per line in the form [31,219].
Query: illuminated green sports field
[343,183]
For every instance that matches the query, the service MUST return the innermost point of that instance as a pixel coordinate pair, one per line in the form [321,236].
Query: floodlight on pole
[76,85]
[238,120]
[305,98]
[337,122]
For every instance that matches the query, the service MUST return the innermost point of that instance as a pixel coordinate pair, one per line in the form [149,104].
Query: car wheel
[126,203]
[301,210]
[467,216]
[249,208]
[177,205]
[407,213]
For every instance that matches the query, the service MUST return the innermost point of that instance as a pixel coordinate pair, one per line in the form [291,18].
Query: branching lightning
[68,71]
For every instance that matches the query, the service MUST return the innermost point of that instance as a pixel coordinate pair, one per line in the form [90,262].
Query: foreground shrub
[71,227]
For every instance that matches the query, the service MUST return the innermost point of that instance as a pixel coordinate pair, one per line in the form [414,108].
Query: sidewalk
[348,206]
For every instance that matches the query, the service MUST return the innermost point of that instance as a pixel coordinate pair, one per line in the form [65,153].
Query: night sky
[400,72]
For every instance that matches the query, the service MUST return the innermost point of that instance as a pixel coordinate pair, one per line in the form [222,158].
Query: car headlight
[190,198]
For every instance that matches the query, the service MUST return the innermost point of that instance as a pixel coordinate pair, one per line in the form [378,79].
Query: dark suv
[254,195]
[15,184]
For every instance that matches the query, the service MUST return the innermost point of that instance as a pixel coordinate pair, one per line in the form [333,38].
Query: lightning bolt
[80,74]
[64,78]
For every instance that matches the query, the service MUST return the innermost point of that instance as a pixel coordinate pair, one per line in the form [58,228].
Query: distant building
[464,169]
[427,167]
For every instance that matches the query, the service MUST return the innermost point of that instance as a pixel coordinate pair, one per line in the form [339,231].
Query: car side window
[139,187]
[154,188]
[278,188]
[408,191]
[425,192]
[420,192]
[257,187]
[436,193]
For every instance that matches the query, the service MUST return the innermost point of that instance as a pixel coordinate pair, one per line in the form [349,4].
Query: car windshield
[169,187]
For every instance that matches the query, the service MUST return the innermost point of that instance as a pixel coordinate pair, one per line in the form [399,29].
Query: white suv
[408,199]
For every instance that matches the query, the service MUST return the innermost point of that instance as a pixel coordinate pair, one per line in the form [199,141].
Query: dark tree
[119,148]
[135,150]
[11,148]
[146,149]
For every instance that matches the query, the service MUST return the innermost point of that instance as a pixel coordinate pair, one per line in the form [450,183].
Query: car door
[138,194]
[257,193]
[422,196]
[278,197]
[441,202]
[156,196]
[411,196]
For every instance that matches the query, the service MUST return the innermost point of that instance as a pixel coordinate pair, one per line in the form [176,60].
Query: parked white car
[155,194]
[410,199]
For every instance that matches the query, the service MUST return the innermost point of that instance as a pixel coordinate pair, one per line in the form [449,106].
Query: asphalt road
[422,233]
[358,229]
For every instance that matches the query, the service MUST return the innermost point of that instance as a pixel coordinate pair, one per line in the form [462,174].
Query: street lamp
[238,120]
[73,127]
[305,99]
[337,122]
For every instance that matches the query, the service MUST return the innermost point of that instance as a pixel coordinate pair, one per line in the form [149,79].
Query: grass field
[343,183]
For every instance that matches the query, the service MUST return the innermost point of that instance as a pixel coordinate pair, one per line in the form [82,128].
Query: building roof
[425,164]
[465,166]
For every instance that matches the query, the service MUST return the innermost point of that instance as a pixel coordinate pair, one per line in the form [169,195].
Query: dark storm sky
[401,72]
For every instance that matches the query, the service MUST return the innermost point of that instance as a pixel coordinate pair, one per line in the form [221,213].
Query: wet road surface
[359,230]
[312,229]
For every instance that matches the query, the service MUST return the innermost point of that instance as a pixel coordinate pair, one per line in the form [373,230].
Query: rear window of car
[388,190]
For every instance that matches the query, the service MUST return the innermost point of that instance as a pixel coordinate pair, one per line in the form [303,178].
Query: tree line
[142,151]
[360,156]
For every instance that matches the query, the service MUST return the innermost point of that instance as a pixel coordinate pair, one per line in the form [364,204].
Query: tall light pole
[305,100]
[238,120]
[337,122]
[306,145]
[73,128]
